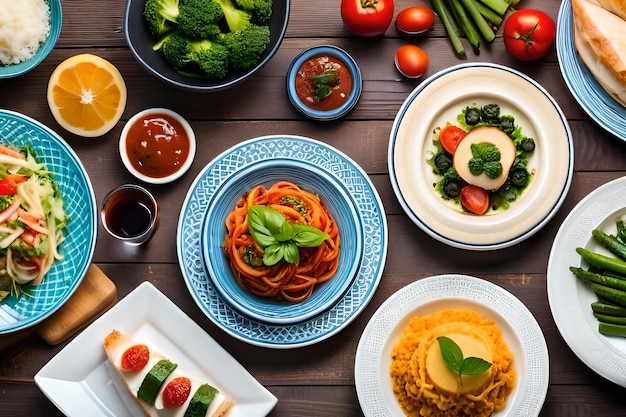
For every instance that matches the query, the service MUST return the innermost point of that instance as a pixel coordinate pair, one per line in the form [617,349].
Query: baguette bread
[617,7]
[148,384]
[600,39]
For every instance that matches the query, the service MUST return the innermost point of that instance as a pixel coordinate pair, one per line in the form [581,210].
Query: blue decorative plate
[595,101]
[194,212]
[335,197]
[80,233]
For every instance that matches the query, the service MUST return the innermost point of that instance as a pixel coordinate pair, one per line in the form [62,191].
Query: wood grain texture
[315,381]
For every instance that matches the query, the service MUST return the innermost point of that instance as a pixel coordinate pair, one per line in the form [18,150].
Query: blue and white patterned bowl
[310,178]
[38,303]
[56,19]
[373,223]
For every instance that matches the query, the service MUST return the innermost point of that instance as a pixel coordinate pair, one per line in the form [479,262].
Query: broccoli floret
[200,19]
[161,15]
[245,46]
[485,157]
[261,10]
[491,112]
[236,18]
[507,124]
[209,56]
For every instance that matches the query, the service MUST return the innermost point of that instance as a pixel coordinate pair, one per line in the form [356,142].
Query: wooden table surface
[317,380]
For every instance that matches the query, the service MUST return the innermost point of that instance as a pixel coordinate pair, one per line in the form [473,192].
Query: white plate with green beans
[439,101]
[602,348]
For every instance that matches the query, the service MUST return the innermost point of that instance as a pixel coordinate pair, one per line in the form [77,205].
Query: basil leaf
[264,224]
[284,232]
[451,353]
[291,253]
[273,254]
[474,366]
[308,236]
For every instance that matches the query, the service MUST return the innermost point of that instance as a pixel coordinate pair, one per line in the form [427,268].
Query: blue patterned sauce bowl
[339,203]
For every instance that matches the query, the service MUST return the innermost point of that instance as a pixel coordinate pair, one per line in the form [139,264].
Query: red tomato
[412,61]
[450,137]
[529,34]
[474,199]
[8,184]
[135,358]
[415,20]
[367,17]
[176,392]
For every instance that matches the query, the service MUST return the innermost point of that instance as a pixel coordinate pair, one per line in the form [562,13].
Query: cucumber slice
[153,380]
[200,401]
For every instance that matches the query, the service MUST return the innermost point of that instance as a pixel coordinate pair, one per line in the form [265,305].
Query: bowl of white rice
[29,30]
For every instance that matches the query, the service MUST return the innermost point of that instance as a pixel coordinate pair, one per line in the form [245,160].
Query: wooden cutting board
[94,294]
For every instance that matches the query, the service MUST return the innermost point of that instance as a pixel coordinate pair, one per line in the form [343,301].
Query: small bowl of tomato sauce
[324,82]
[157,145]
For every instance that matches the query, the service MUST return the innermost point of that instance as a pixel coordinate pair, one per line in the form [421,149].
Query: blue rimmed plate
[80,233]
[373,223]
[437,101]
[335,198]
[607,112]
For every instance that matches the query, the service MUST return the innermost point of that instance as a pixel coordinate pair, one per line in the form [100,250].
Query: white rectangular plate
[77,380]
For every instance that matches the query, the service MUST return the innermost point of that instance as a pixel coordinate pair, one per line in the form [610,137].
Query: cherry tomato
[474,199]
[529,34]
[415,20]
[135,358]
[450,137]
[367,17]
[176,392]
[412,61]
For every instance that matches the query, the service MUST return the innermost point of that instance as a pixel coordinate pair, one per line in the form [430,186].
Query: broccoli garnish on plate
[261,10]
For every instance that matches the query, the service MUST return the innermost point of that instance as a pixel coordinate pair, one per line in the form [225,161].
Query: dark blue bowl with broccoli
[205,45]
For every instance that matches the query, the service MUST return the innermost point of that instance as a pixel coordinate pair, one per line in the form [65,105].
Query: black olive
[527,145]
[452,189]
[472,116]
[443,162]
[519,177]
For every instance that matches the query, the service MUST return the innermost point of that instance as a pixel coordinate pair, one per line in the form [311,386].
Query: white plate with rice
[519,329]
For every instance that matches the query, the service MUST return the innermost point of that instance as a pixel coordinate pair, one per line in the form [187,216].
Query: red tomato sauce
[157,145]
[317,65]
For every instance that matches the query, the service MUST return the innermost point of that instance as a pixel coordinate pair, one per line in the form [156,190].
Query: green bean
[449,25]
[603,262]
[601,307]
[610,242]
[488,13]
[604,318]
[499,6]
[605,280]
[479,20]
[614,295]
[466,23]
[610,329]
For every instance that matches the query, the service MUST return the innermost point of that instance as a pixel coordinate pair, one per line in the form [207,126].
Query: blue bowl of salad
[48,222]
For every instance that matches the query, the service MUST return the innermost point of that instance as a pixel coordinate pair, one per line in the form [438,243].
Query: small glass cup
[130,213]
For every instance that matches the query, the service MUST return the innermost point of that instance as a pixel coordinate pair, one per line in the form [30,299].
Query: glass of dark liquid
[130,213]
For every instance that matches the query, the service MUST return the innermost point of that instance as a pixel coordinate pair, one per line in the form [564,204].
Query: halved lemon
[87,95]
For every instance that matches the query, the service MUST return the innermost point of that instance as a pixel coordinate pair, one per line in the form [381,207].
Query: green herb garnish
[325,83]
[279,238]
[453,357]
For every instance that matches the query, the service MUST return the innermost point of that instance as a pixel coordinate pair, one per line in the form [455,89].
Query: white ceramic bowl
[182,166]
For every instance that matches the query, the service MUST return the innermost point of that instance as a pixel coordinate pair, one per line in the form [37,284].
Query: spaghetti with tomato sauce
[282,281]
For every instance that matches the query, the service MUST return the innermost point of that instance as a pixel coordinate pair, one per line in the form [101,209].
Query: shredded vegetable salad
[32,219]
